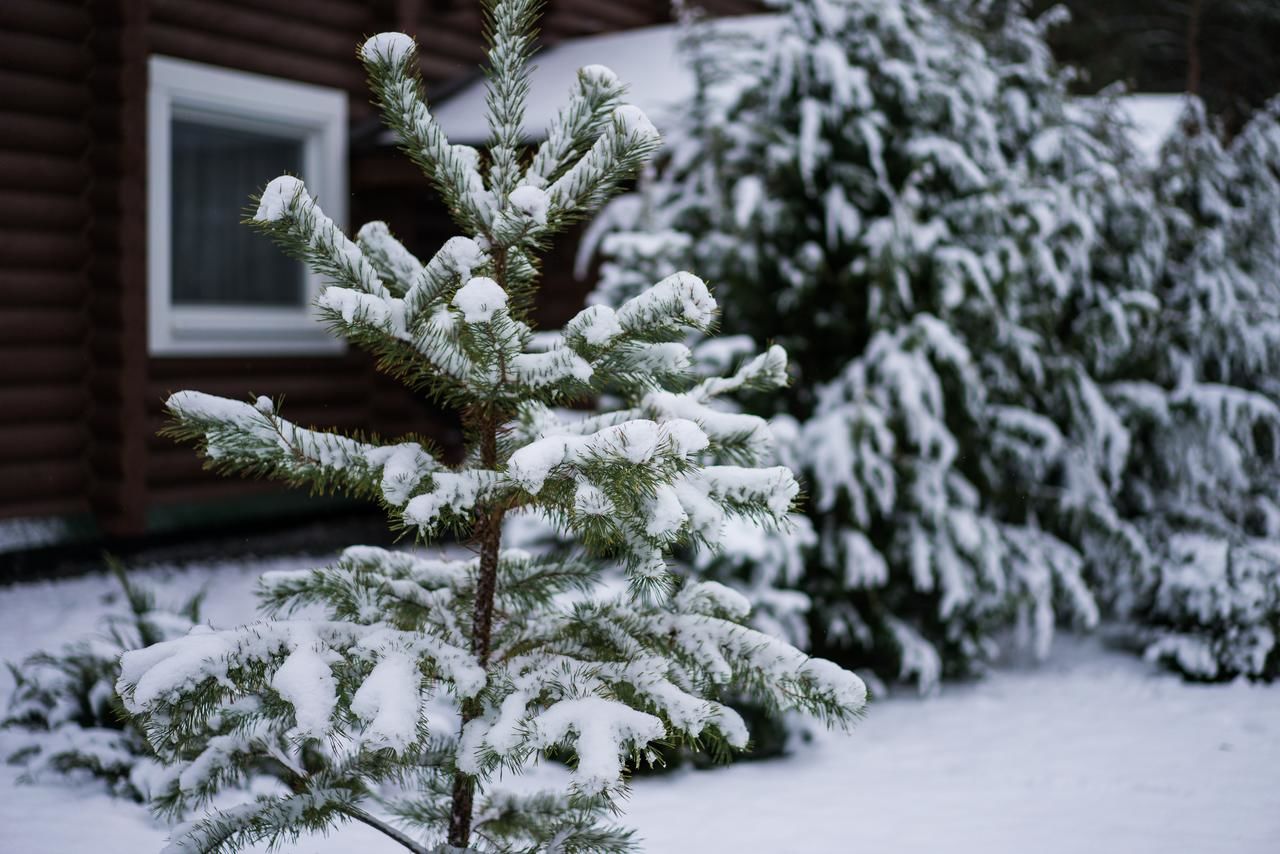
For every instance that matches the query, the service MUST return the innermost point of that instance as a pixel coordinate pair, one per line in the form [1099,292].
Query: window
[215,137]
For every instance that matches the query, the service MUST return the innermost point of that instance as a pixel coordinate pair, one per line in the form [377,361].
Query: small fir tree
[538,654]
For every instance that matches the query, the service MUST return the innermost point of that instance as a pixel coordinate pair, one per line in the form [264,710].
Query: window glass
[216,260]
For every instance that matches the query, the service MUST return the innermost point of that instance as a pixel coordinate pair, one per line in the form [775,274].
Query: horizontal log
[36,479]
[37,440]
[209,488]
[346,15]
[44,402]
[28,365]
[67,505]
[63,18]
[41,248]
[255,25]
[23,92]
[33,209]
[331,369]
[62,57]
[56,134]
[220,50]
[42,170]
[42,326]
[35,286]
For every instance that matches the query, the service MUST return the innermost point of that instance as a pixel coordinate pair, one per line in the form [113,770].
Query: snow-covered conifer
[1205,406]
[391,688]
[904,197]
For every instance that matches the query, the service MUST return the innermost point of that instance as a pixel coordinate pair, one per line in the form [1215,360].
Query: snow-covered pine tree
[905,198]
[1205,405]
[537,654]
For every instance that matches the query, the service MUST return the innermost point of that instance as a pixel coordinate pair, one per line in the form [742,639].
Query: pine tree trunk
[488,533]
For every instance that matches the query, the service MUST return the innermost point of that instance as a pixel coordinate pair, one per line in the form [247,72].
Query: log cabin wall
[80,396]
[44,255]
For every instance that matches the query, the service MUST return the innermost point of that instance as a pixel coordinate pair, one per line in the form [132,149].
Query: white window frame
[317,115]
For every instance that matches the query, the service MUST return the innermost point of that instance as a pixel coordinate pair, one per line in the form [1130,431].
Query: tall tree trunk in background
[1193,48]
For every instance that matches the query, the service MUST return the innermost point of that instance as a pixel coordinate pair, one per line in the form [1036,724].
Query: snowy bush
[389,688]
[1026,364]
[911,210]
[66,703]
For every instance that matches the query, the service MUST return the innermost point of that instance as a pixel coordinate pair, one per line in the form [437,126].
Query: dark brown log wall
[80,398]
[44,253]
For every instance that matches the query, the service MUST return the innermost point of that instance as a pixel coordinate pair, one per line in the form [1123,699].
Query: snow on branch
[680,301]
[596,94]
[296,659]
[396,265]
[627,140]
[293,219]
[637,442]
[453,169]
[605,732]
[511,43]
[253,439]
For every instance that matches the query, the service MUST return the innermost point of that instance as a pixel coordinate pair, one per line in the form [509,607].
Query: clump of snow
[596,325]
[600,76]
[680,297]
[666,513]
[264,405]
[532,202]
[605,731]
[389,700]
[278,196]
[553,366]
[461,254]
[306,683]
[635,123]
[455,492]
[635,441]
[388,47]
[354,305]
[479,299]
[375,239]
[403,467]
[590,500]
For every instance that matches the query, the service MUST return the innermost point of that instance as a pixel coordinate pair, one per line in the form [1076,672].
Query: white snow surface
[393,47]
[1154,116]
[479,298]
[1093,751]
[645,59]
[659,81]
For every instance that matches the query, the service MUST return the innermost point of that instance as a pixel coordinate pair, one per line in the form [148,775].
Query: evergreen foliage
[391,688]
[1206,411]
[1033,373]
[67,706]
[905,199]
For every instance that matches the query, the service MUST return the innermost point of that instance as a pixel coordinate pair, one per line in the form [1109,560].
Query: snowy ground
[1094,752]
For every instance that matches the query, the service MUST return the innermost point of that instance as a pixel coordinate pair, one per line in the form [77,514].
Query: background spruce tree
[904,198]
[390,688]
[1204,405]
[1034,374]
